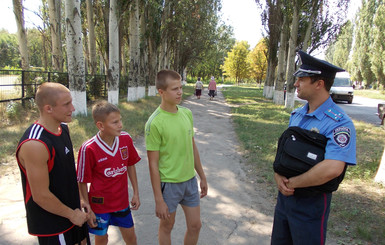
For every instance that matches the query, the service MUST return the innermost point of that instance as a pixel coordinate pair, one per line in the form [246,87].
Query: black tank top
[62,181]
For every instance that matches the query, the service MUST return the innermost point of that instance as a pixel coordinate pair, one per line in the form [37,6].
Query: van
[342,89]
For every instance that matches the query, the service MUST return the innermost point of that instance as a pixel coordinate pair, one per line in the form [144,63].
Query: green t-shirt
[171,134]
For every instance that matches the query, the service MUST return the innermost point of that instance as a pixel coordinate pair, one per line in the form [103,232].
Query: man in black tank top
[47,166]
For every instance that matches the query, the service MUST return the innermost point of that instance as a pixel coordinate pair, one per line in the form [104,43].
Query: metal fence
[19,85]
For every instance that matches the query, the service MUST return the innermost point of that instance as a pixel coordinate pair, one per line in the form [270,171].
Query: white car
[342,89]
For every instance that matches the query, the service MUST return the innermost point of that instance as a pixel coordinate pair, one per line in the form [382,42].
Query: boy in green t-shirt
[173,159]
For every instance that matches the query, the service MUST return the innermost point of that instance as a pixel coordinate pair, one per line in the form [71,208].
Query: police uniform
[302,219]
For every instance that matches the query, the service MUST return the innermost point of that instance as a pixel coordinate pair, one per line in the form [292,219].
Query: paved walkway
[232,213]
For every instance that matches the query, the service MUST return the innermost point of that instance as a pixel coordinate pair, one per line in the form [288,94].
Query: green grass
[357,215]
[369,93]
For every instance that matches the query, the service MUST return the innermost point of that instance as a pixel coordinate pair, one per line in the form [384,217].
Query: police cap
[311,66]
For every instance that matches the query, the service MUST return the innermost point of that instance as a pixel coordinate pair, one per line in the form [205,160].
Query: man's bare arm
[33,156]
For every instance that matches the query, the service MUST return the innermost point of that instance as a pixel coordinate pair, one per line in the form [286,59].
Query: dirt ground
[234,212]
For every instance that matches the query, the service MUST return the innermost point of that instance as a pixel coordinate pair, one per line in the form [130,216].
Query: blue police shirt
[331,121]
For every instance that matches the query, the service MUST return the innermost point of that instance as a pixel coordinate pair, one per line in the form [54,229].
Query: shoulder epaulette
[334,114]
[296,110]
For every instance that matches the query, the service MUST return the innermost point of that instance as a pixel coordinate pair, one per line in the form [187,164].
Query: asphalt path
[362,109]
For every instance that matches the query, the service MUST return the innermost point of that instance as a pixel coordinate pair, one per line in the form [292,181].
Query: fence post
[22,88]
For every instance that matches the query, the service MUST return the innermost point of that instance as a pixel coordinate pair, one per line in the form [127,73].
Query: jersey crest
[124,152]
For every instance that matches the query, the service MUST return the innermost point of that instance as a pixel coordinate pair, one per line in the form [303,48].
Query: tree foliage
[236,64]
[258,61]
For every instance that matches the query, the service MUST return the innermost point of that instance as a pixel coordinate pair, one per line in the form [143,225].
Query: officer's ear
[320,83]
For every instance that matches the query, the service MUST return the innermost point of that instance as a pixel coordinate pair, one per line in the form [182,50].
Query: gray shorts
[184,193]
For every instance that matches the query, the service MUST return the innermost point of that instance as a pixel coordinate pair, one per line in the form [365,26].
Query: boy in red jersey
[105,161]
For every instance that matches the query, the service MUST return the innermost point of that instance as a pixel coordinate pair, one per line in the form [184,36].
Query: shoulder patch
[334,114]
[341,136]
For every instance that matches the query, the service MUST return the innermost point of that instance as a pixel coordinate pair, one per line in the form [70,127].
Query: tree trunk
[76,70]
[274,22]
[134,52]
[113,63]
[91,37]
[314,11]
[290,90]
[22,39]
[380,176]
[55,27]
[143,64]
[164,54]
[279,93]
[152,66]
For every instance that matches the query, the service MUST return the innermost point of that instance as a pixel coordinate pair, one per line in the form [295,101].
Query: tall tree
[21,33]
[272,20]
[378,48]
[258,61]
[289,102]
[113,67]
[22,39]
[363,43]
[91,37]
[55,27]
[76,68]
[236,64]
[134,52]
[338,52]
[279,93]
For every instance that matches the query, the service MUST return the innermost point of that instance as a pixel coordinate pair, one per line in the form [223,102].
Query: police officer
[298,218]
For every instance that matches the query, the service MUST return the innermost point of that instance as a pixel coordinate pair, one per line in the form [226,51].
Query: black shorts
[198,92]
[71,237]
[212,93]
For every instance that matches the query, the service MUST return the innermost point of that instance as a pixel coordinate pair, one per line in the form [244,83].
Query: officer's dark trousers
[301,220]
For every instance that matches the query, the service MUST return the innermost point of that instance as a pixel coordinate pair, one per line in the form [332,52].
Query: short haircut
[48,93]
[101,110]
[164,76]
[327,81]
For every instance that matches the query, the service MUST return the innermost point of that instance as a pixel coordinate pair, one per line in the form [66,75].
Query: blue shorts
[122,218]
[184,193]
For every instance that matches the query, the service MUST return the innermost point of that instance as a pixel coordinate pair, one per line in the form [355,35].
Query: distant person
[105,160]
[173,159]
[301,217]
[47,166]
[212,88]
[198,88]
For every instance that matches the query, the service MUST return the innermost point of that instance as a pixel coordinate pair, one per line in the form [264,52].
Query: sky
[243,15]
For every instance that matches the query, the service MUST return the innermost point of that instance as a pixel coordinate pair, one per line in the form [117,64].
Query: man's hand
[161,210]
[78,217]
[282,183]
[204,188]
[135,202]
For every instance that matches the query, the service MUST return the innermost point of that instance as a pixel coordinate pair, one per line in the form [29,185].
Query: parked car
[381,112]
[342,89]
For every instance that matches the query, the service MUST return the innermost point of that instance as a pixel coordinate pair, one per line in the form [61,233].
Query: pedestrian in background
[212,88]
[198,88]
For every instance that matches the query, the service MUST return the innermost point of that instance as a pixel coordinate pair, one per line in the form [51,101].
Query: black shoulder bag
[299,150]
